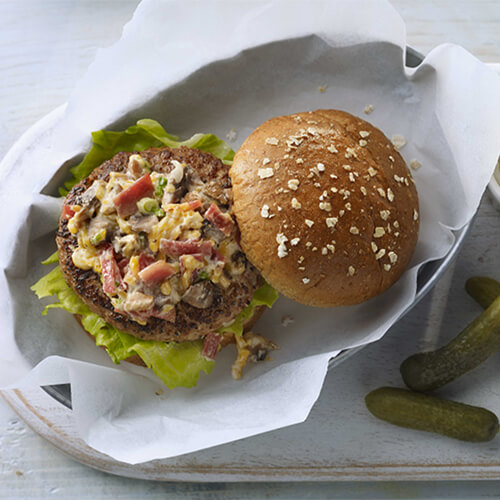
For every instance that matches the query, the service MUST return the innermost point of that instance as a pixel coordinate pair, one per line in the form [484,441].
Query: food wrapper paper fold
[225,67]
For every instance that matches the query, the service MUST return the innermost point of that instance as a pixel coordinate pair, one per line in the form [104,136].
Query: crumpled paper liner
[215,67]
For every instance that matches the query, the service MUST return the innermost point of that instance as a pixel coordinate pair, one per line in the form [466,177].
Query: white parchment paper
[213,67]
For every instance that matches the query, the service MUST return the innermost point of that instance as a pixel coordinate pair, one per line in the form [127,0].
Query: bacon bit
[126,201]
[157,272]
[194,204]
[222,221]
[176,248]
[211,346]
[145,260]
[122,266]
[110,271]
[67,212]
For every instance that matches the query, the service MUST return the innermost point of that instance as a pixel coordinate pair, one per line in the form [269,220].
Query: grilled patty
[191,322]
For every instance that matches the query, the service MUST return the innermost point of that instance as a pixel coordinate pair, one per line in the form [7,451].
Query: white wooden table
[45,46]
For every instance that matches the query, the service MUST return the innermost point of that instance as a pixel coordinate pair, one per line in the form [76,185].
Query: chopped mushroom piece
[252,347]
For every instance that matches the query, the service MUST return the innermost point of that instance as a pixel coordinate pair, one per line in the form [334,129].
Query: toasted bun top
[327,209]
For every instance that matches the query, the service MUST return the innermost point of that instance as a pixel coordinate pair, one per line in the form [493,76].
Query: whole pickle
[429,370]
[483,290]
[428,413]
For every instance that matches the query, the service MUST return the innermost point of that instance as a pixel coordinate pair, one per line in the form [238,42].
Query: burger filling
[155,240]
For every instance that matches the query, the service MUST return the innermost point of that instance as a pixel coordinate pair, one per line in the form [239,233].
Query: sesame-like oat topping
[273,141]
[351,270]
[390,194]
[362,143]
[321,167]
[351,152]
[415,215]
[364,134]
[368,109]
[387,267]
[231,135]
[331,221]
[326,206]
[354,230]
[296,204]
[265,161]
[398,141]
[393,257]
[309,222]
[264,211]
[363,190]
[372,171]
[332,149]
[281,239]
[380,254]
[374,247]
[379,232]
[293,184]
[265,173]
[384,214]
[294,241]
[305,281]
[415,164]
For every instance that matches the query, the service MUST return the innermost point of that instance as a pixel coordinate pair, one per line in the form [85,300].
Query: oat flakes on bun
[326,206]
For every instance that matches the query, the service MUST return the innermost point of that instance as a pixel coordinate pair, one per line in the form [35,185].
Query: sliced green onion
[148,206]
[203,275]
[160,187]
[98,237]
[160,213]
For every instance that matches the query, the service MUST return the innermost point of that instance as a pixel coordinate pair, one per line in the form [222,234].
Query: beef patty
[190,322]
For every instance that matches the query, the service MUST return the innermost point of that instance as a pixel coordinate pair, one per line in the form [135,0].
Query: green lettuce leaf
[266,295]
[145,134]
[176,364]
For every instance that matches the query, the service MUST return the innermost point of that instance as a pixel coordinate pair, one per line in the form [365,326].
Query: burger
[168,253]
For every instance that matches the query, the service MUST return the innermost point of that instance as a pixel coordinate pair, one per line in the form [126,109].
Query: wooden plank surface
[45,47]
